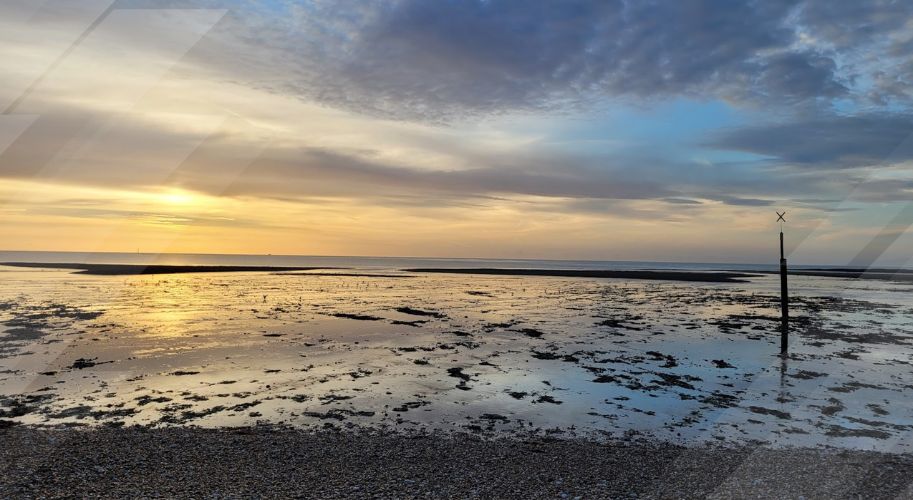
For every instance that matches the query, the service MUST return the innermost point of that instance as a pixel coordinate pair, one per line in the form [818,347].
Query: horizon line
[521,259]
[419,257]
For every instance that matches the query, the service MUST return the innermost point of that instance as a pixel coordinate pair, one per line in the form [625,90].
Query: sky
[604,129]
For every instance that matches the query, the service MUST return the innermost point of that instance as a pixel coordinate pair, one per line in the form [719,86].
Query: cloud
[874,39]
[64,209]
[133,152]
[412,59]
[851,24]
[321,172]
[835,141]
[136,152]
[428,61]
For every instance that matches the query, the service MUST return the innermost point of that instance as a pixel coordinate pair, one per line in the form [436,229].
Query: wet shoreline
[493,356]
[692,276]
[899,275]
[151,269]
[695,276]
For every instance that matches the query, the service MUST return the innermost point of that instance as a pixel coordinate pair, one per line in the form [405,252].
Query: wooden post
[784,301]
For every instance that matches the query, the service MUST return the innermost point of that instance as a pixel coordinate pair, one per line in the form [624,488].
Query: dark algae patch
[531,332]
[83,363]
[358,317]
[419,312]
[768,411]
[457,372]
[721,363]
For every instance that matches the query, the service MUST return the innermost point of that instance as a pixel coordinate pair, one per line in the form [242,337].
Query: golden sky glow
[91,219]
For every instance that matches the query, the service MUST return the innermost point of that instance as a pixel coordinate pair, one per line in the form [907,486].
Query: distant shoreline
[852,273]
[132,269]
[696,276]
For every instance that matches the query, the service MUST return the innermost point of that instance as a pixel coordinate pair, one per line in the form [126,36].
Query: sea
[377,263]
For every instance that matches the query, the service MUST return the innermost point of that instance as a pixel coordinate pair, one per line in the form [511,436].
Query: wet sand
[693,276]
[612,381]
[133,269]
[491,355]
[270,462]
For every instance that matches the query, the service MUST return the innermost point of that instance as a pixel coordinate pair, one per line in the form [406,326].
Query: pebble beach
[283,463]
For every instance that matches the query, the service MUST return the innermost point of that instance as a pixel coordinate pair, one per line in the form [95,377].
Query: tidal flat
[491,356]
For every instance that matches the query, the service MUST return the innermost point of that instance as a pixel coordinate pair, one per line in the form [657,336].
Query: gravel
[278,462]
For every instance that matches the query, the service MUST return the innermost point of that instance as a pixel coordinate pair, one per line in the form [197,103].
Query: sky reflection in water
[607,358]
